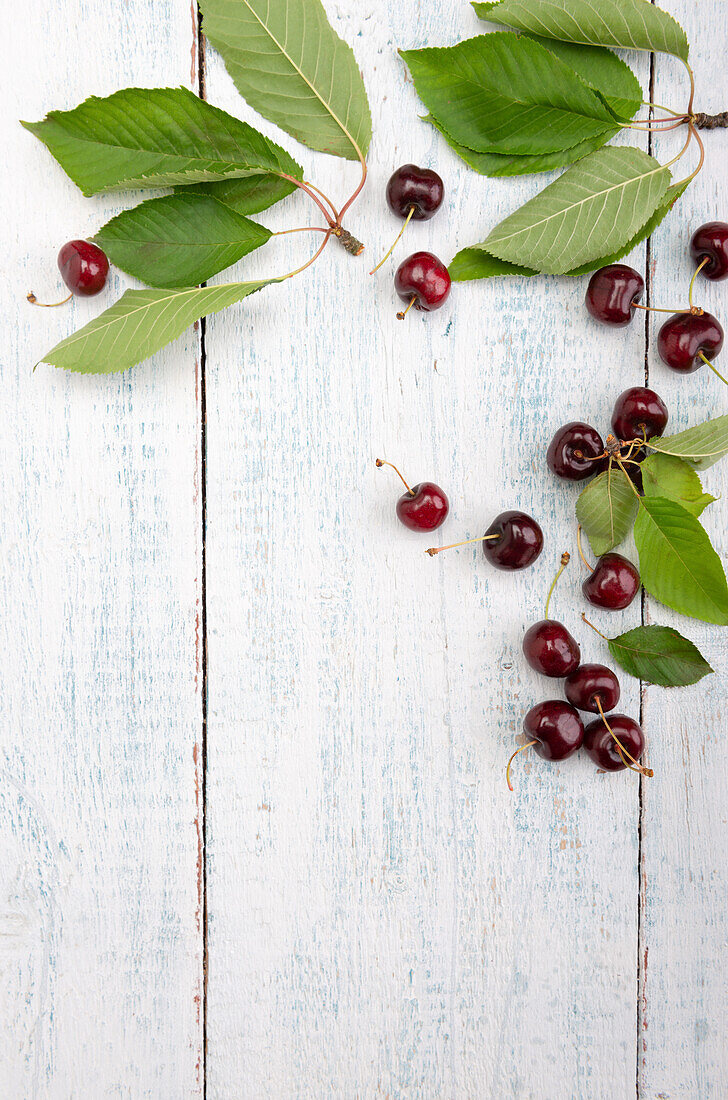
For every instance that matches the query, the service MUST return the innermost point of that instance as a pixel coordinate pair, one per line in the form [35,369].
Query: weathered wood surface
[383,917]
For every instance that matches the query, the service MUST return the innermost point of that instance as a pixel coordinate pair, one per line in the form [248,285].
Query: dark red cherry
[602,747]
[611,293]
[411,186]
[519,543]
[586,683]
[556,728]
[613,583]
[573,450]
[423,281]
[423,509]
[639,413]
[549,648]
[684,335]
[711,240]
[83,267]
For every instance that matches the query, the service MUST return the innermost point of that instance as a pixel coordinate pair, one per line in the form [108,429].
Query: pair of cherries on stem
[513,541]
[84,269]
[422,280]
[691,337]
[554,727]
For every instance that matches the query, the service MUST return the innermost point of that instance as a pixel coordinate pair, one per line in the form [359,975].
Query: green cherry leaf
[595,208]
[606,509]
[289,64]
[499,164]
[476,263]
[603,71]
[659,655]
[679,567]
[627,24]
[179,240]
[247,195]
[155,137]
[140,323]
[702,445]
[501,93]
[666,476]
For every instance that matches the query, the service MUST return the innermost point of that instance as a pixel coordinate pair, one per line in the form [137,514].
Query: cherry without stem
[639,413]
[424,507]
[710,242]
[423,281]
[554,729]
[612,292]
[686,341]
[83,267]
[590,682]
[575,450]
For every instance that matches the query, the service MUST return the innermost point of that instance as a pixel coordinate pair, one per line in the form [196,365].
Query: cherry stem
[635,766]
[682,152]
[326,198]
[692,88]
[692,132]
[47,305]
[659,309]
[403,312]
[714,370]
[331,222]
[584,619]
[619,462]
[565,558]
[513,757]
[303,229]
[701,265]
[466,542]
[581,552]
[381,462]
[308,263]
[396,241]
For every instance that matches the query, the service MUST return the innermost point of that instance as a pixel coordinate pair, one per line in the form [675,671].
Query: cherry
[575,451]
[415,192]
[587,683]
[612,293]
[687,340]
[639,413]
[547,645]
[616,745]
[549,648]
[613,583]
[513,541]
[555,730]
[424,507]
[83,267]
[710,242]
[423,281]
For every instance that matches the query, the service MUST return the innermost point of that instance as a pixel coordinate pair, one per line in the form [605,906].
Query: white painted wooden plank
[100,940]
[684,951]
[385,919]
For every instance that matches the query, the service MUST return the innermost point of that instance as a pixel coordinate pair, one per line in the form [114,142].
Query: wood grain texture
[385,919]
[100,939]
[683,950]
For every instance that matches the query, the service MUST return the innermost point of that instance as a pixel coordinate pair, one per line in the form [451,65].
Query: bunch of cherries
[422,280]
[84,269]
[689,338]
[555,728]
